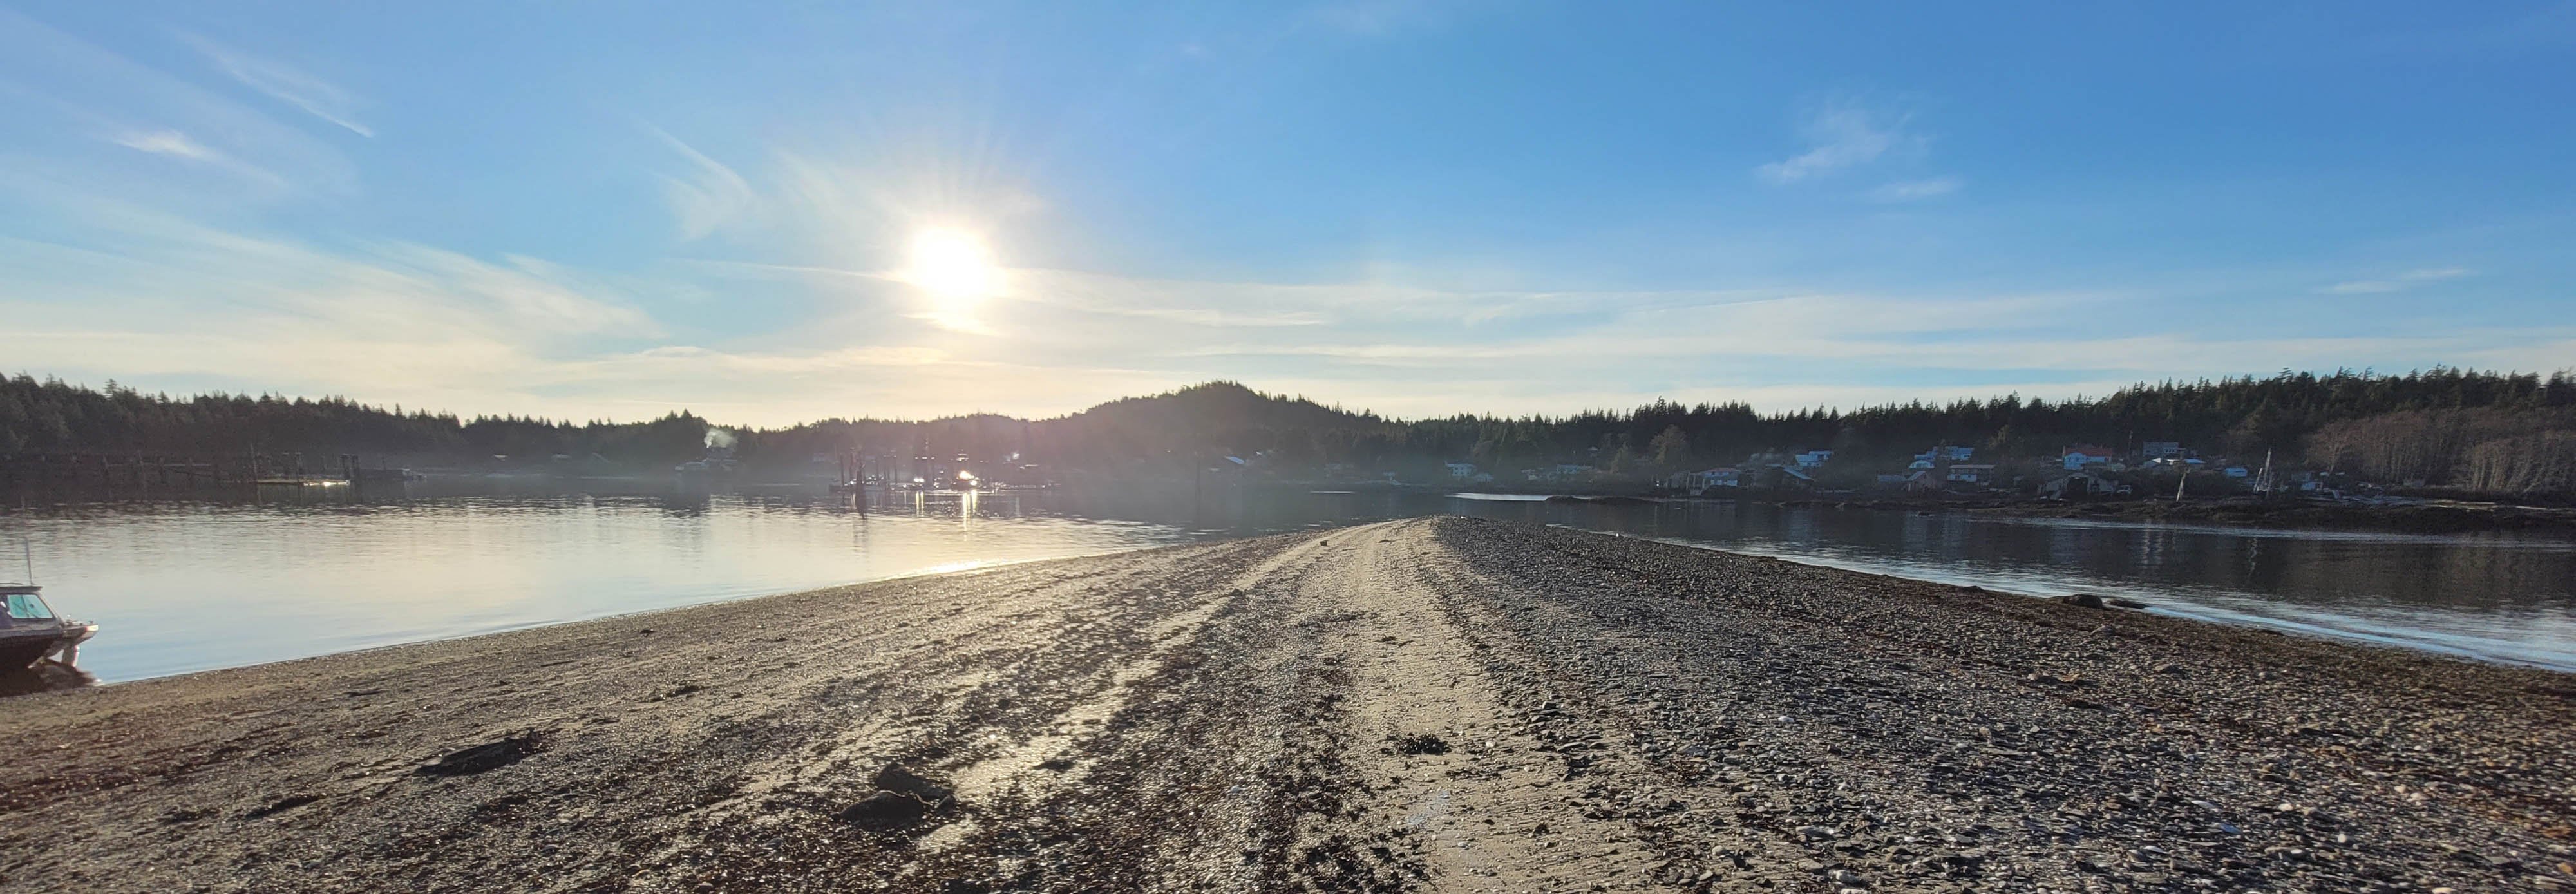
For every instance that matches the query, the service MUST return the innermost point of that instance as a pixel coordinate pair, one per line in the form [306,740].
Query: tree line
[2475,430]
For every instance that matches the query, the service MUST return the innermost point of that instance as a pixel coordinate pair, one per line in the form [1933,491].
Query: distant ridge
[2489,431]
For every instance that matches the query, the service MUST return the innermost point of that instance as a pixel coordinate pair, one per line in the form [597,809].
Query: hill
[2487,432]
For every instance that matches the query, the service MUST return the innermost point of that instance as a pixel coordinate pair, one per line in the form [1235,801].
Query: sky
[769,213]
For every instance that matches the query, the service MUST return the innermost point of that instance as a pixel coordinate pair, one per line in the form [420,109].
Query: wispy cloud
[2399,283]
[316,97]
[1841,134]
[710,197]
[167,142]
[63,92]
[1915,190]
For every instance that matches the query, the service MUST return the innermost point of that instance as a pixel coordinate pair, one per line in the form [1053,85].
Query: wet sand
[1430,704]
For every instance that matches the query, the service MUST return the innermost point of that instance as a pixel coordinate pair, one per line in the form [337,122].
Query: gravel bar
[1438,704]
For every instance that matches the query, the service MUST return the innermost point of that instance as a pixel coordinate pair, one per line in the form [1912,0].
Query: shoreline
[1434,704]
[2431,516]
[13,685]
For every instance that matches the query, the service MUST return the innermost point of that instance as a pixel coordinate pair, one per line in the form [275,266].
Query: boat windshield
[26,607]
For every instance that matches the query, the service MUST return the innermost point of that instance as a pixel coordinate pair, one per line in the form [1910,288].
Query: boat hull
[25,649]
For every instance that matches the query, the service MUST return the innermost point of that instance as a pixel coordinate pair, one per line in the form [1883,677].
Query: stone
[486,757]
[885,810]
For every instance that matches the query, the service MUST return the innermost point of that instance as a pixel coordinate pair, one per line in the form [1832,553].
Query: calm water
[188,586]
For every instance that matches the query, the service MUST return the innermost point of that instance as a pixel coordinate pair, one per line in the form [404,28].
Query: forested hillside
[2487,431]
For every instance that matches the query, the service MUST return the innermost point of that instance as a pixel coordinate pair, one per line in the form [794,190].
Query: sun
[956,268]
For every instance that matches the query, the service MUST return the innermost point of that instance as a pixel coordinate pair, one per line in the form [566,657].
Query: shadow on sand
[46,676]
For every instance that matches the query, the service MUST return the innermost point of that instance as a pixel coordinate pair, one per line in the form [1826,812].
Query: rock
[885,810]
[1421,743]
[903,798]
[905,782]
[486,757]
[2124,603]
[281,805]
[2082,600]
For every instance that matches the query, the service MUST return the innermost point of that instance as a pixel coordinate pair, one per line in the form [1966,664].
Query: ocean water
[189,585]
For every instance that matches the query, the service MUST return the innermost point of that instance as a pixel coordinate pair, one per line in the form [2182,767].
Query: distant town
[2434,434]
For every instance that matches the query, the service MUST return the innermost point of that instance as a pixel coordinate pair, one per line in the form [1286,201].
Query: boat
[30,632]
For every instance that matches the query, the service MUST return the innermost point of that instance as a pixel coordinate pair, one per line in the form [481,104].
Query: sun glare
[955,267]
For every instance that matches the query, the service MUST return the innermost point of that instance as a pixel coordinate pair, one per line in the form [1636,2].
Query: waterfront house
[1462,470]
[2079,456]
[2161,449]
[1812,458]
[1699,482]
[1723,476]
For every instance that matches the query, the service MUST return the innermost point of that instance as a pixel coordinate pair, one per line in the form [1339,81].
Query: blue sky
[614,210]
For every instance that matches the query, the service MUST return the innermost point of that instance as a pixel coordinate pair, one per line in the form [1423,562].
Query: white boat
[30,632]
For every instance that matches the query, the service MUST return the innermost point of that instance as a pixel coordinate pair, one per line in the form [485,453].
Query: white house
[1813,458]
[1462,470]
[2080,456]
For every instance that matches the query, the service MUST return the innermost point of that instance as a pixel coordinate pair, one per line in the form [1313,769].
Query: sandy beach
[1435,704]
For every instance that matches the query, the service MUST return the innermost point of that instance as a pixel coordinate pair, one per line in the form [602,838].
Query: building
[1812,458]
[1701,481]
[1462,470]
[2079,456]
[2160,449]
[1969,473]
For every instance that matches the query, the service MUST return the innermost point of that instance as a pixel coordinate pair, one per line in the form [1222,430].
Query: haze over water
[189,586]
